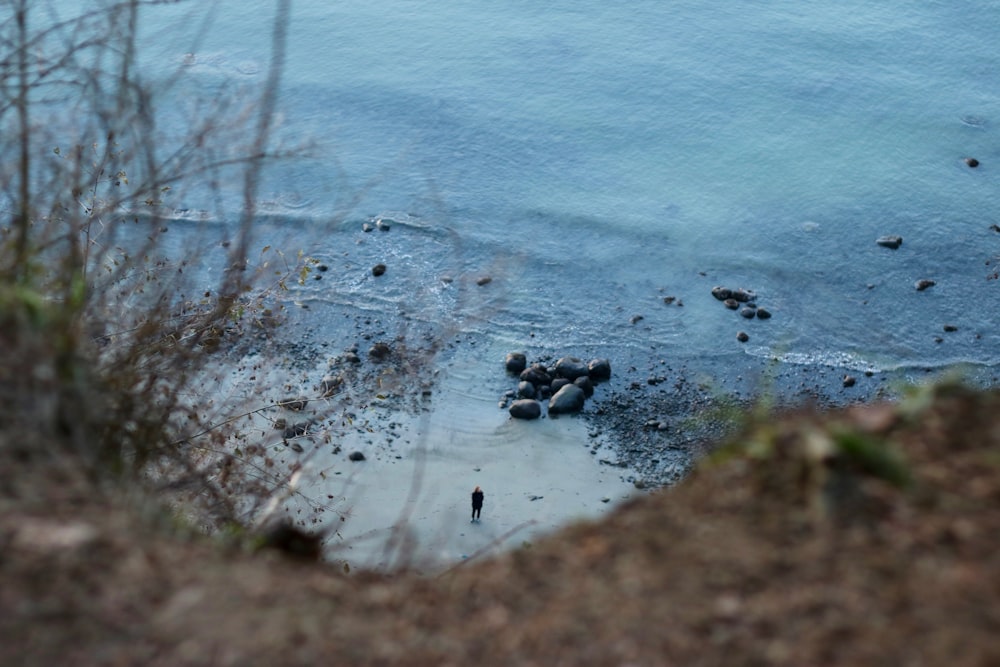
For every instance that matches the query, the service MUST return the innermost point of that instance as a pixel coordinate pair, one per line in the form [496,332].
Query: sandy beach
[409,501]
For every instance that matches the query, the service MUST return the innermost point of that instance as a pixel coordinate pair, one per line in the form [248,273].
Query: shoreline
[429,427]
[407,504]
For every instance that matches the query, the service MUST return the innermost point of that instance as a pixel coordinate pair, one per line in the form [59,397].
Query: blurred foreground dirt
[868,536]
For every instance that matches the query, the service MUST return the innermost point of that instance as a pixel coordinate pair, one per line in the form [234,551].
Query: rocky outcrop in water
[892,242]
[743,301]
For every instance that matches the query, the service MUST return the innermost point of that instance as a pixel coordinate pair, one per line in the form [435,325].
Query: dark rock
[356,456]
[950,328]
[378,270]
[731,304]
[544,391]
[849,381]
[599,369]
[586,384]
[571,368]
[763,314]
[383,225]
[635,318]
[367,227]
[484,280]
[742,336]
[972,162]
[379,351]
[743,295]
[721,293]
[536,375]
[352,358]
[748,312]
[921,285]
[526,390]
[525,408]
[558,384]
[568,399]
[515,362]
[892,242]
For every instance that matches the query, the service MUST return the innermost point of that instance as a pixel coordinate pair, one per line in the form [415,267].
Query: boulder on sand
[599,369]
[526,408]
[515,362]
[571,368]
[568,399]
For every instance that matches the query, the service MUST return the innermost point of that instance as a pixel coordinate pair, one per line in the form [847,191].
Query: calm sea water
[595,158]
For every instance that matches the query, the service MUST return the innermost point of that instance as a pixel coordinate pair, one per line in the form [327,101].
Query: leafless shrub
[105,335]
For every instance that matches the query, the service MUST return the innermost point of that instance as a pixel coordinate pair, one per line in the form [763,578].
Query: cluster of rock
[566,385]
[744,301]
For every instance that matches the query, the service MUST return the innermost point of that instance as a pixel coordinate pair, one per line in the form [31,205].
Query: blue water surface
[595,157]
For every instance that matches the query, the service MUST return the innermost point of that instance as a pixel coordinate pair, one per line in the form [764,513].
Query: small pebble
[921,285]
[849,380]
[972,162]
[742,337]
[378,270]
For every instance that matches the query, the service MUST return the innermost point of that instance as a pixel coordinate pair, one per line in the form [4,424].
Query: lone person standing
[477,503]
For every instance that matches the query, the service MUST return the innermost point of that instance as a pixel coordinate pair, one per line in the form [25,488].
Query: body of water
[594,159]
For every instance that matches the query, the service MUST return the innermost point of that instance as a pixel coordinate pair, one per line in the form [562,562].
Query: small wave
[819,358]
[292,201]
[198,214]
[248,68]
